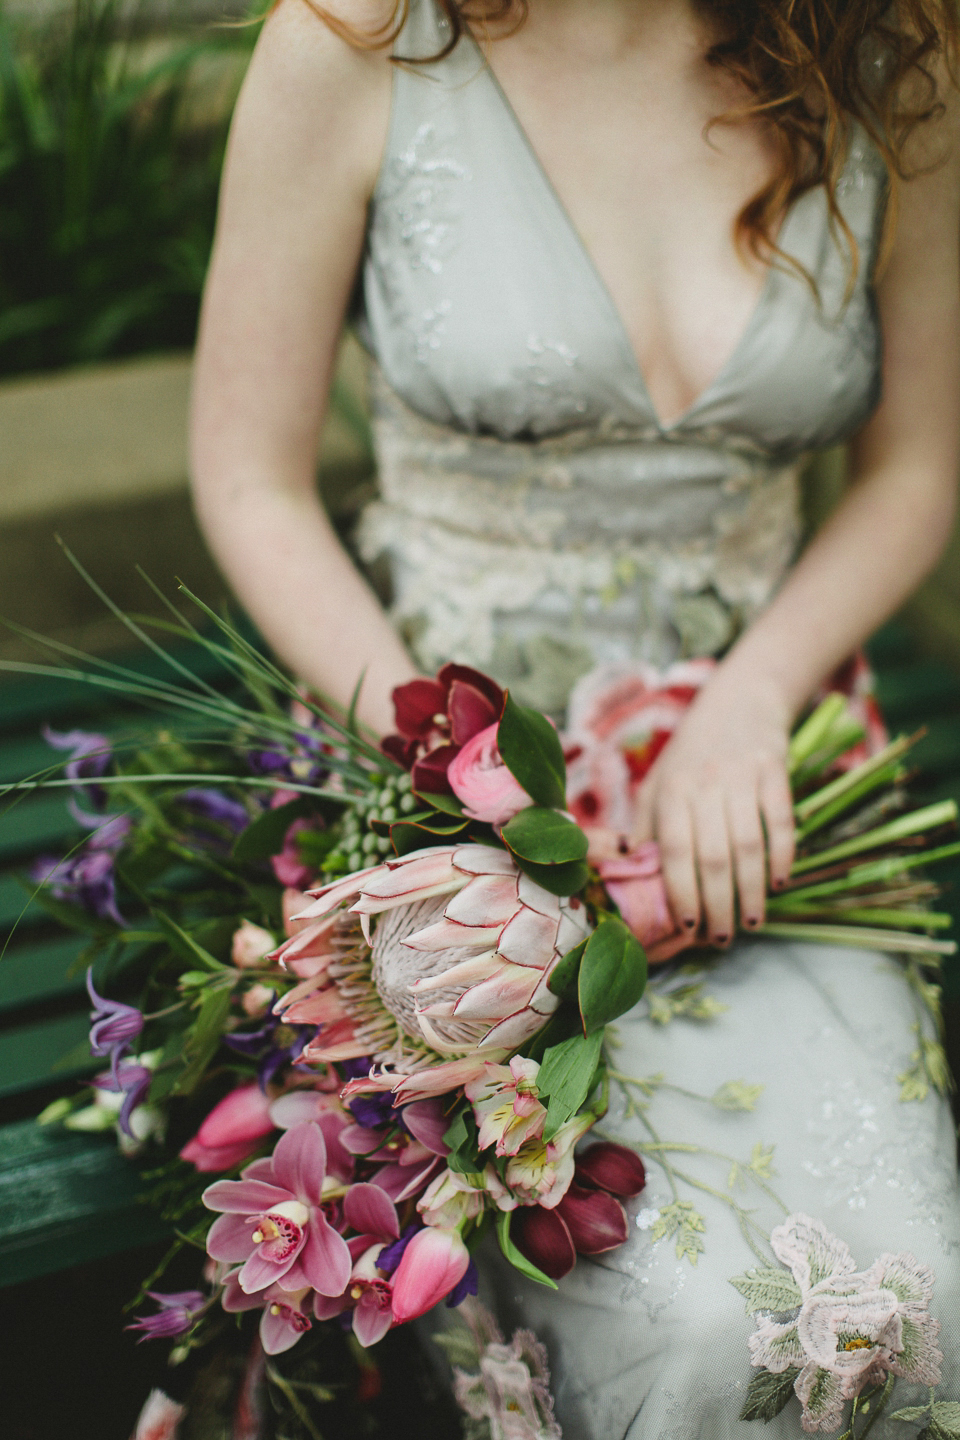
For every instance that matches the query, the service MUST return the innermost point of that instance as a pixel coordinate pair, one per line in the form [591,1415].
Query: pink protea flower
[232,1130]
[506,1106]
[274,1223]
[481,781]
[459,959]
[852,1329]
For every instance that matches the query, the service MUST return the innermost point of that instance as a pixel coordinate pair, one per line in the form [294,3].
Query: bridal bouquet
[363,991]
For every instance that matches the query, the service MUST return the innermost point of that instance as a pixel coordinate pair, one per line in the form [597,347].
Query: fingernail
[720,939]
[751,920]
[690,924]
[779,884]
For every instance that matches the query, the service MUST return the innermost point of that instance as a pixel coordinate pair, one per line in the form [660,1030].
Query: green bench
[67,1197]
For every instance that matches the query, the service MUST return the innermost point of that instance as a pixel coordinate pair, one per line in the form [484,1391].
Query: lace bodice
[536,515]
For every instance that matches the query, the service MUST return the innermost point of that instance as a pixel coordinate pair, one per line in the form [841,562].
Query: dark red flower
[543,1237]
[610,1167]
[435,718]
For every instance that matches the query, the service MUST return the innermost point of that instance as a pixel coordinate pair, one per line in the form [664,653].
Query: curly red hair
[805,67]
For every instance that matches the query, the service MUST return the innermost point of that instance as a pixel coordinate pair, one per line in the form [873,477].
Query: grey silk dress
[538,518]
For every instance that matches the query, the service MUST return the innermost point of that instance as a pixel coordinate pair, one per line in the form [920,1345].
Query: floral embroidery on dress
[828,1332]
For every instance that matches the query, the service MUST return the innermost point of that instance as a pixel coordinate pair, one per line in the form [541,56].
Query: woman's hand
[718,803]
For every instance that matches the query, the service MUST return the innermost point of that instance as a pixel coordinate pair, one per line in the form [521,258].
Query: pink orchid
[436,717]
[232,1130]
[285,1315]
[250,945]
[506,1106]
[481,781]
[159,1419]
[369,1291]
[274,1223]
[483,956]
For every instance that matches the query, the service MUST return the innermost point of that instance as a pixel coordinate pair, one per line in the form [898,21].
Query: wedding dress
[539,518]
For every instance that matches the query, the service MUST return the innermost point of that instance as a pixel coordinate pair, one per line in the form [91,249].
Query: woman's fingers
[776,807]
[749,854]
[674,830]
[714,863]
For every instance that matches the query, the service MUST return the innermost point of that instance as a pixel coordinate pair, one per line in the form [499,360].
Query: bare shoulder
[312,91]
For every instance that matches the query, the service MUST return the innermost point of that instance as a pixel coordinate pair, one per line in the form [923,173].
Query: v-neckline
[665,427]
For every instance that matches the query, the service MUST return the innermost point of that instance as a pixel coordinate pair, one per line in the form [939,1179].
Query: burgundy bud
[615,1168]
[542,1236]
[595,1220]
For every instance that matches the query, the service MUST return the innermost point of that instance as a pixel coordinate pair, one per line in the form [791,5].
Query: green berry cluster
[359,844]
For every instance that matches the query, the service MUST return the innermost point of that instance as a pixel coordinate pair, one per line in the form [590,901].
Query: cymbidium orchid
[274,1222]
[453,944]
[435,718]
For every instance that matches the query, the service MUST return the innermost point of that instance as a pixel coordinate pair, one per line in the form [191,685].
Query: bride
[622,264]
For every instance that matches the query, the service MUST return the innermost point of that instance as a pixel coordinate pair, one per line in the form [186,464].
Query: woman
[607,331]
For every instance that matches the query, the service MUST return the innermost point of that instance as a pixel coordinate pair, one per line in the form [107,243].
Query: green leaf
[462,1137]
[545,836]
[563,880]
[946,1416]
[406,836]
[565,1076]
[518,1261]
[911,1414]
[563,978]
[203,1039]
[563,1023]
[768,1394]
[264,836]
[530,748]
[736,1095]
[768,1288]
[448,804]
[613,975]
[183,944]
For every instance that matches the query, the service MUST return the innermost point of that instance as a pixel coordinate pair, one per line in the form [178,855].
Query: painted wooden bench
[67,1197]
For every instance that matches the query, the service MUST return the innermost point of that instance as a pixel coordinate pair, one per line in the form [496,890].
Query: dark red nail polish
[751,920]
[690,924]
[720,939]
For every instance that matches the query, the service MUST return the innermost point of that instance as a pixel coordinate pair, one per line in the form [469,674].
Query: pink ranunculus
[250,945]
[274,1222]
[433,1263]
[634,883]
[232,1130]
[481,781]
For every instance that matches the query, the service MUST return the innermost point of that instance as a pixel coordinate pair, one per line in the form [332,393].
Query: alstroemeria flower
[274,1223]
[481,781]
[852,1327]
[540,1173]
[506,1106]
[460,958]
[450,1200]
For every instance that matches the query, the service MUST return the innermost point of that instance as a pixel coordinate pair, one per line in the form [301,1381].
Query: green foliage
[545,837]
[613,975]
[768,1394]
[682,1223]
[107,200]
[567,1077]
[768,1287]
[531,750]
[511,1253]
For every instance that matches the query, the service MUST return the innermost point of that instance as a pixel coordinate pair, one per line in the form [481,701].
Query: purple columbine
[132,1081]
[213,805]
[85,879]
[113,1026]
[177,1313]
[90,758]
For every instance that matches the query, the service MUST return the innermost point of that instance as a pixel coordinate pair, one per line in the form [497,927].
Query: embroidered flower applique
[834,1331]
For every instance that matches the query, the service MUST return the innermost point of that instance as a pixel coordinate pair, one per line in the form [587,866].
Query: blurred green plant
[107,194]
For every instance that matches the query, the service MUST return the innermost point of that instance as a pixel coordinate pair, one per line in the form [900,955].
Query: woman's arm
[722,781]
[302,161]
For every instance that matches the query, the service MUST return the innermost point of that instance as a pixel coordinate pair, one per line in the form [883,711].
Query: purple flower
[90,759]
[468,1285]
[176,1315]
[274,1045]
[85,879]
[114,1026]
[130,1080]
[213,805]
